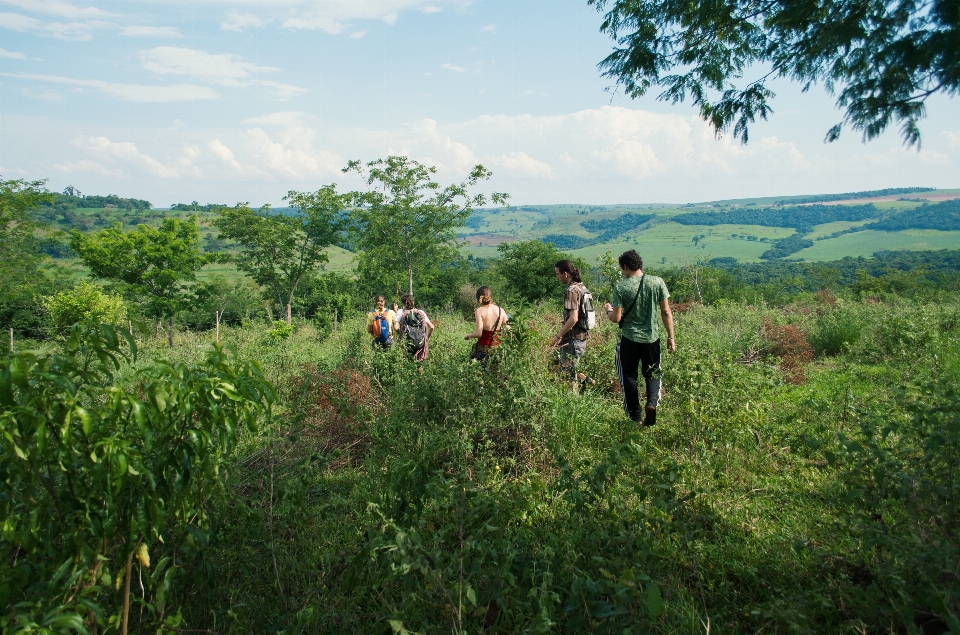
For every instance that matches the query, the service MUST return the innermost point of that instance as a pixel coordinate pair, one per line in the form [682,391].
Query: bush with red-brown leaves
[789,343]
[826,297]
[332,406]
[683,307]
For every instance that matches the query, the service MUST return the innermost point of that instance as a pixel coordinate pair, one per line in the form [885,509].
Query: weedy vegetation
[801,478]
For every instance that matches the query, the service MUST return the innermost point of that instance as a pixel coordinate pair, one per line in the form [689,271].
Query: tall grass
[447,496]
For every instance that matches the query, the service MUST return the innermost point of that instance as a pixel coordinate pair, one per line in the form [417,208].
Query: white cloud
[62,9]
[46,95]
[280,91]
[224,69]
[87,166]
[11,55]
[490,28]
[290,153]
[80,31]
[141,93]
[127,154]
[522,164]
[358,35]
[952,137]
[454,68]
[240,21]
[172,60]
[225,154]
[151,31]
[336,16]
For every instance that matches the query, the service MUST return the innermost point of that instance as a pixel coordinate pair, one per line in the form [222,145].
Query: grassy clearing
[452,499]
[866,243]
[674,242]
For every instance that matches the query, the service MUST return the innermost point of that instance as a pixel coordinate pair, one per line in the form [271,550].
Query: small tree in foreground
[280,249]
[405,221]
[150,263]
[104,480]
[85,301]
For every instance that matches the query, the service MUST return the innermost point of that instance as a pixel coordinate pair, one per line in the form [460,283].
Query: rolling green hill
[820,227]
[749,230]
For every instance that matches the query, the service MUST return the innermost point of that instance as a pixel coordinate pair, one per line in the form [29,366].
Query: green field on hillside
[663,241]
[660,240]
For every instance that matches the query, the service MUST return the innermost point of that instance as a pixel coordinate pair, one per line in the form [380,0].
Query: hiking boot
[651,418]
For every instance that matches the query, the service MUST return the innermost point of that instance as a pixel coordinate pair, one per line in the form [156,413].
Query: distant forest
[943,216]
[802,218]
[926,264]
[822,198]
[608,229]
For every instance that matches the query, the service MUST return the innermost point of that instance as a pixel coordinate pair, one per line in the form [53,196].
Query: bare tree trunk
[288,315]
[170,333]
[410,274]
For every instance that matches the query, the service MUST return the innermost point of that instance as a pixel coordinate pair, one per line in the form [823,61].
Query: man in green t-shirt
[636,301]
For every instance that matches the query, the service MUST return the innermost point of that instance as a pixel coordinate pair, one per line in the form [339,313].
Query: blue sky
[226,101]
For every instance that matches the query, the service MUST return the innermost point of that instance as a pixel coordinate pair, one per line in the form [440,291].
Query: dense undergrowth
[802,478]
[457,499]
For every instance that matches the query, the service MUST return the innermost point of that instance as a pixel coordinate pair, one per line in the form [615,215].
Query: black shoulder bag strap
[497,324]
[634,303]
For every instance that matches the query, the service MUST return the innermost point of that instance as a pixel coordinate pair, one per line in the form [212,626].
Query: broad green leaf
[654,600]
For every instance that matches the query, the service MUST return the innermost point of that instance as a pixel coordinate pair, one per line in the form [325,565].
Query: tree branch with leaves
[886,58]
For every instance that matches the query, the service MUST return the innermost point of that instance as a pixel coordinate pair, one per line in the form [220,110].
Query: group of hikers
[639,303]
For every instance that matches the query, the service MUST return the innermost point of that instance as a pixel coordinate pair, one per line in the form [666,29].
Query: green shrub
[85,301]
[281,330]
[835,330]
[102,480]
[903,478]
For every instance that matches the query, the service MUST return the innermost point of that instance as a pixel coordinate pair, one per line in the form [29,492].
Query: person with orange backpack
[381,323]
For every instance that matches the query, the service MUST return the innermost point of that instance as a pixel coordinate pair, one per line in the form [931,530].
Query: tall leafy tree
[405,221]
[279,250]
[23,275]
[885,57]
[151,264]
[527,266]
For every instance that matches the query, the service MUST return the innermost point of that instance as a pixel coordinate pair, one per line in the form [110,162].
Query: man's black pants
[633,356]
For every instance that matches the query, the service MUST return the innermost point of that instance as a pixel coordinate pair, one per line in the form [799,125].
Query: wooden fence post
[170,333]
[334,320]
[218,327]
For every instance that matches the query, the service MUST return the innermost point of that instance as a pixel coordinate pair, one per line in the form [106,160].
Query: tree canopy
[149,262]
[280,249]
[885,57]
[405,221]
[23,273]
[527,266]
